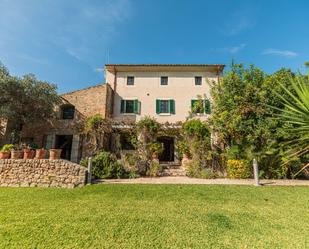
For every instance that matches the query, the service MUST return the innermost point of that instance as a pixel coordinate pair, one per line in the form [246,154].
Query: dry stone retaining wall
[41,173]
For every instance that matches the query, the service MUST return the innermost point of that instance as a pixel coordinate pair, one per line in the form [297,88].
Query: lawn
[155,216]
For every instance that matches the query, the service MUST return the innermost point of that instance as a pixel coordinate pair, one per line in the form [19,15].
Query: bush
[194,169]
[7,148]
[154,169]
[207,174]
[196,127]
[106,166]
[130,163]
[238,169]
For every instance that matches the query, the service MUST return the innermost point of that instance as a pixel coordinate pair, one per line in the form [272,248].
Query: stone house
[166,92]
[61,133]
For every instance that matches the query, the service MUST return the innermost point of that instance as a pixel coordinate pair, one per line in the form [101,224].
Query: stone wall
[41,173]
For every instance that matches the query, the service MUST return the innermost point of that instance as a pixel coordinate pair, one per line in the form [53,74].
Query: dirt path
[187,180]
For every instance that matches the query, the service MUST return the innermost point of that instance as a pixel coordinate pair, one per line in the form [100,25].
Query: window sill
[128,114]
[164,114]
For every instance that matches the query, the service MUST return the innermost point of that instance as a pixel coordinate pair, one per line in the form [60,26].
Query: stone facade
[87,102]
[41,173]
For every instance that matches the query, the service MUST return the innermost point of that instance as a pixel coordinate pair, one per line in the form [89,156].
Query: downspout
[114,90]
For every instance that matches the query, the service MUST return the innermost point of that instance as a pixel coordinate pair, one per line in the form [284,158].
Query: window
[197,106]
[130,80]
[129,106]
[68,112]
[164,81]
[200,106]
[164,106]
[198,80]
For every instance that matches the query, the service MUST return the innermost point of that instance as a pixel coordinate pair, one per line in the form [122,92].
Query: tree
[25,100]
[296,112]
[246,124]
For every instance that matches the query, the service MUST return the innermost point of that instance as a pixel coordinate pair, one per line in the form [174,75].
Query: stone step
[170,166]
[173,172]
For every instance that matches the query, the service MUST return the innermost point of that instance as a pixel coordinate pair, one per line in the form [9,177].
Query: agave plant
[296,112]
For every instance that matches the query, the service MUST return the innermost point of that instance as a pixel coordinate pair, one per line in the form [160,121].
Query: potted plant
[156,149]
[5,151]
[17,152]
[40,153]
[54,154]
[184,149]
[29,151]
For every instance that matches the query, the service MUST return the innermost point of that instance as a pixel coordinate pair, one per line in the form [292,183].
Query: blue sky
[67,42]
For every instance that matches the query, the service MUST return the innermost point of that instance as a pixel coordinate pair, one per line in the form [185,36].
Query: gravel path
[187,180]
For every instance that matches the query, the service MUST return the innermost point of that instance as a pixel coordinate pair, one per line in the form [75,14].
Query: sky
[68,42]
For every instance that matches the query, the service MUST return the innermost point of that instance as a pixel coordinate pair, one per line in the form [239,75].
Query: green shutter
[207,106]
[193,101]
[122,106]
[158,106]
[136,106]
[172,106]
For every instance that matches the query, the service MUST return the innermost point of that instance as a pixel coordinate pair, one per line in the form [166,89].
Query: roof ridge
[86,88]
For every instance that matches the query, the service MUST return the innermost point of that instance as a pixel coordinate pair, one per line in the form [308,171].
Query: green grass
[155,216]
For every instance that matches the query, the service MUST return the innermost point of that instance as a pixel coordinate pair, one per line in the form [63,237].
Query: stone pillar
[75,148]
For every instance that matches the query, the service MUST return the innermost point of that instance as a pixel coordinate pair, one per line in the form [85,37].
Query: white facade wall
[181,87]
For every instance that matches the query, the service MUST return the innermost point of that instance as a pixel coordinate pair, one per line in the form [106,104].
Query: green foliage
[196,127]
[95,122]
[131,166]
[148,124]
[296,112]
[245,124]
[183,147]
[238,169]
[154,169]
[156,148]
[105,165]
[196,140]
[26,100]
[195,169]
[7,148]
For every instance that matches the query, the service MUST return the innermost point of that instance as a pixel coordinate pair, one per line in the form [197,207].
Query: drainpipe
[114,90]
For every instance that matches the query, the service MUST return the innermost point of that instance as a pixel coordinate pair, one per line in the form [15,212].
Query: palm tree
[296,112]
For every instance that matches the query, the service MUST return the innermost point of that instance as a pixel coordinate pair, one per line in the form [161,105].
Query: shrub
[105,165]
[130,163]
[207,174]
[196,127]
[238,169]
[7,147]
[156,148]
[193,168]
[183,148]
[154,169]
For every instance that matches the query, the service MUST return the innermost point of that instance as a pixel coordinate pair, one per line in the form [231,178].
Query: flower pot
[40,154]
[17,154]
[5,155]
[54,154]
[29,154]
[154,156]
[185,156]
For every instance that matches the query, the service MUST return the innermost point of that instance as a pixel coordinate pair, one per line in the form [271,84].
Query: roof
[84,89]
[165,67]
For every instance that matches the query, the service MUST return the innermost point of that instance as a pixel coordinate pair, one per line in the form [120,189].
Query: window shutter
[207,106]
[122,106]
[158,106]
[192,104]
[136,106]
[172,106]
